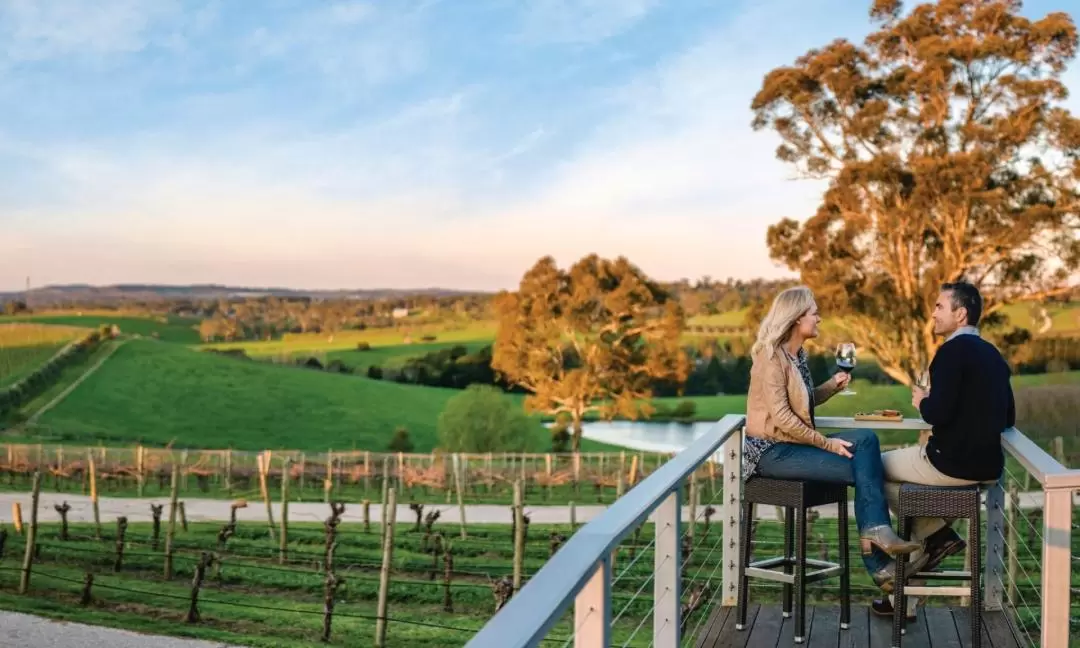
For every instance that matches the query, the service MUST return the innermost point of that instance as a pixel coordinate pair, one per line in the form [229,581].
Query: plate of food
[880,415]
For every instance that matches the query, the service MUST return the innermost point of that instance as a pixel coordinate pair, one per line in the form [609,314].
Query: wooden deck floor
[935,627]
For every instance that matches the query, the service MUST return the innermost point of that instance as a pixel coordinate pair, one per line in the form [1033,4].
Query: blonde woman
[782,440]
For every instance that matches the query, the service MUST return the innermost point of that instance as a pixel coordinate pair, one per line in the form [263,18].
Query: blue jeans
[864,471]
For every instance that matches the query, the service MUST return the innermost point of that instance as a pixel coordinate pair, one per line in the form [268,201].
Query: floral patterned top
[753,447]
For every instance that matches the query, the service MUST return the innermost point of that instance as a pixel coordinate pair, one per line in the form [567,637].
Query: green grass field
[159,393]
[163,393]
[293,343]
[170,329]
[24,347]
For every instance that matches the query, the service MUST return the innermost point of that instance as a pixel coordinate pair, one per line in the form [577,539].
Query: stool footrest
[789,579]
[941,575]
[941,590]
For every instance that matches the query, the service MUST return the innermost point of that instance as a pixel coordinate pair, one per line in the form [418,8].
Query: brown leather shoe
[883,608]
[939,546]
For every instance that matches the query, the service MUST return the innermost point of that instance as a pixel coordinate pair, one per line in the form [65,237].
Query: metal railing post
[667,584]
[995,547]
[592,609]
[731,452]
[1056,566]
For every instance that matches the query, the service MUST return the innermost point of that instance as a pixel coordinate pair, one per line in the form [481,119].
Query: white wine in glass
[845,361]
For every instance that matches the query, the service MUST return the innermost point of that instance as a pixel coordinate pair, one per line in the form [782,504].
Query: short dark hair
[966,295]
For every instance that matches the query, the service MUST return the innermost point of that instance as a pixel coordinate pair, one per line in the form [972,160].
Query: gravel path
[213,510]
[27,631]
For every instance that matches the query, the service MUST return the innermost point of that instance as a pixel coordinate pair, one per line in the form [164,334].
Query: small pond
[649,436]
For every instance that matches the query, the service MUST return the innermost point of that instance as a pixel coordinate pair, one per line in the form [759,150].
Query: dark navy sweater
[970,405]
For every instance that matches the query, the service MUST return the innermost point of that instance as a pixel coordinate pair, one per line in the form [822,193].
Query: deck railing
[584,573]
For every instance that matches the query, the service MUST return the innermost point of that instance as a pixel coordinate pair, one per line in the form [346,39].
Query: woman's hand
[841,378]
[838,446]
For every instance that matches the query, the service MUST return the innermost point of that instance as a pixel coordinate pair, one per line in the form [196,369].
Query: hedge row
[22,392]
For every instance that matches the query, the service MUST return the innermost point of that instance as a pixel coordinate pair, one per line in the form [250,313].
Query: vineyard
[24,347]
[350,476]
[413,581]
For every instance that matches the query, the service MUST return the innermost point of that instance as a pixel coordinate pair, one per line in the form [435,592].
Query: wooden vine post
[367,516]
[140,468]
[328,483]
[94,497]
[385,494]
[228,471]
[16,517]
[183,516]
[263,461]
[384,572]
[31,535]
[283,547]
[519,535]
[173,495]
[460,495]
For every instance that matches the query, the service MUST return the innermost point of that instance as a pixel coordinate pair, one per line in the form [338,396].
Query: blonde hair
[786,309]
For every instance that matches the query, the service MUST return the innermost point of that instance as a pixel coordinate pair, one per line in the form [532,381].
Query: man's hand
[917,396]
[841,379]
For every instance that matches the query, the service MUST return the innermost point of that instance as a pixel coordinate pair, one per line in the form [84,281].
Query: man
[969,404]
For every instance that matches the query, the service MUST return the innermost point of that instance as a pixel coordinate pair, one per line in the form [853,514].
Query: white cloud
[350,41]
[34,30]
[581,21]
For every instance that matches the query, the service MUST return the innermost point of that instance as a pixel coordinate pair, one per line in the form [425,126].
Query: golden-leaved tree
[947,156]
[593,338]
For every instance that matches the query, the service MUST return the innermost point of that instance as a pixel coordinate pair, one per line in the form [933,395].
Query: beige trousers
[910,466]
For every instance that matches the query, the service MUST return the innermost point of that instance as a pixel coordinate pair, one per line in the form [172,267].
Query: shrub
[337,366]
[363,346]
[375,372]
[401,442]
[684,411]
[482,419]
[312,363]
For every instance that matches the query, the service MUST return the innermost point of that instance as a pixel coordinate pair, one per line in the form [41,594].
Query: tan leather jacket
[778,407]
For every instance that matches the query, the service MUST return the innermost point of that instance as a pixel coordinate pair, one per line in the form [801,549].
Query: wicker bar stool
[796,497]
[955,502]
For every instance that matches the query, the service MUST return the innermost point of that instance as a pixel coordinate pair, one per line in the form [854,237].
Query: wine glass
[845,361]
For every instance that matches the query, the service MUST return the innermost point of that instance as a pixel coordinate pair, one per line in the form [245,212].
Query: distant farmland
[169,329]
[23,347]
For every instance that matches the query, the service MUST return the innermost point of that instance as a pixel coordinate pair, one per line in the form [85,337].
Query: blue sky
[404,143]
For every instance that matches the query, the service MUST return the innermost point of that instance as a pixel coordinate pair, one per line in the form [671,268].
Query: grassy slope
[24,347]
[160,392]
[347,340]
[17,363]
[174,329]
[396,355]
